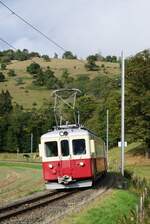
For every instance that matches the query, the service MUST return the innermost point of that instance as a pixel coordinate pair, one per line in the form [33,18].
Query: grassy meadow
[27,95]
[18,180]
[135,160]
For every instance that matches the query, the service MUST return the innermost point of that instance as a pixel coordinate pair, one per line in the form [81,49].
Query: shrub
[2,77]
[3,66]
[68,55]
[46,58]
[11,73]
[33,68]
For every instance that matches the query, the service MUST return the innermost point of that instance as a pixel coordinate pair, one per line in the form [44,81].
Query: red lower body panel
[77,169]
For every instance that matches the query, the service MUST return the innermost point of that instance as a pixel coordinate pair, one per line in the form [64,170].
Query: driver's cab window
[79,147]
[64,148]
[51,149]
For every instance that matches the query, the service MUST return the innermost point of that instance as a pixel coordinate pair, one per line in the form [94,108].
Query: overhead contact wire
[4,41]
[33,27]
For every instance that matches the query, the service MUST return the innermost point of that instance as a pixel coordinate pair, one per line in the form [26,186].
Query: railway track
[41,208]
[31,203]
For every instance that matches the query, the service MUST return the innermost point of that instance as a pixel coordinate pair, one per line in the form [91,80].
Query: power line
[10,45]
[33,27]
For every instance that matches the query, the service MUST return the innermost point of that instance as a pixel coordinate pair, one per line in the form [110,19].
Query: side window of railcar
[79,146]
[65,148]
[51,149]
[99,148]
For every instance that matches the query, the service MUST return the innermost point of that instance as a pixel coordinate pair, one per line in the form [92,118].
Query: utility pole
[31,143]
[107,135]
[122,112]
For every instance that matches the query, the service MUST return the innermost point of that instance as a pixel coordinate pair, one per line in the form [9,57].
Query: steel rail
[22,206]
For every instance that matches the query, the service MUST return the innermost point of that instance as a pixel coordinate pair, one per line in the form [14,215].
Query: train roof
[70,131]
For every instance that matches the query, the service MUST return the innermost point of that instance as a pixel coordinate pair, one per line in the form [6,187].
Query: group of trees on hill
[98,95]
[43,77]
[8,55]
[17,124]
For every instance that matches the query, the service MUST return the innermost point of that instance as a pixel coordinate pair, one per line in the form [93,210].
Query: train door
[65,158]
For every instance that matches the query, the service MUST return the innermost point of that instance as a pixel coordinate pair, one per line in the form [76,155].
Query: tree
[91,65]
[46,58]
[22,55]
[65,78]
[5,102]
[34,54]
[50,80]
[110,58]
[2,77]
[91,58]
[55,55]
[5,59]
[3,66]
[33,68]
[101,86]
[86,106]
[113,103]
[99,57]
[46,78]
[82,83]
[39,78]
[68,55]
[138,97]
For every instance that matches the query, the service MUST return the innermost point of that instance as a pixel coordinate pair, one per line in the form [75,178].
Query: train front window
[51,149]
[79,146]
[65,148]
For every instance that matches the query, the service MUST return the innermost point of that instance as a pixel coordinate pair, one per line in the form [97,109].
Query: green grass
[142,171]
[18,180]
[135,160]
[108,210]
[19,157]
[21,165]
[115,153]
[112,208]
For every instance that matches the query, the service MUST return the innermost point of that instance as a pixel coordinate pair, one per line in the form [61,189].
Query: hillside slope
[28,95]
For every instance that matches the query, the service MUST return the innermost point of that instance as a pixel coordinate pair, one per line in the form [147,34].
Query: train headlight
[81,163]
[61,133]
[50,166]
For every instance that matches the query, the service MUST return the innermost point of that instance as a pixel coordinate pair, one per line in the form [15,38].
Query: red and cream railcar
[71,158]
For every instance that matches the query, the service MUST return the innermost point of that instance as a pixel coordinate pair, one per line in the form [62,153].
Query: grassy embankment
[109,210]
[135,160]
[20,157]
[113,206]
[18,180]
[26,94]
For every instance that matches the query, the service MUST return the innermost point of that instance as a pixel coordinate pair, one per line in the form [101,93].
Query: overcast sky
[82,26]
